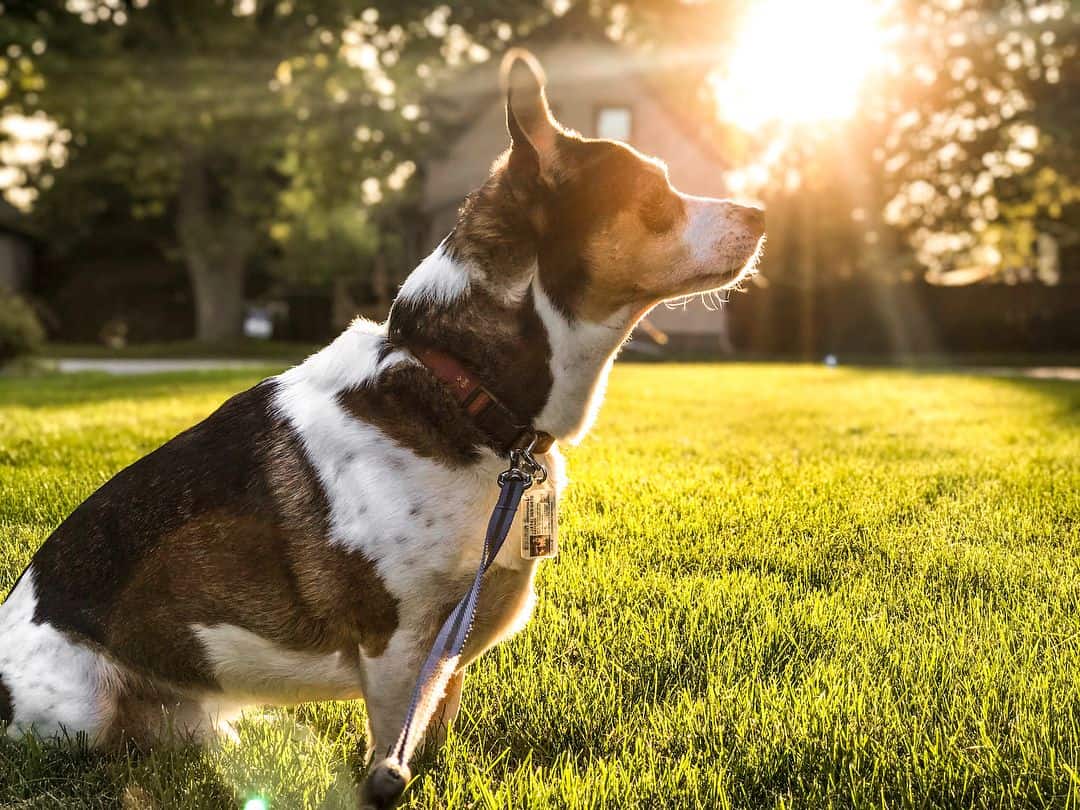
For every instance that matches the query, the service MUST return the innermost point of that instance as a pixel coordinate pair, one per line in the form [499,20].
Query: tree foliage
[961,158]
[247,126]
[983,153]
[293,129]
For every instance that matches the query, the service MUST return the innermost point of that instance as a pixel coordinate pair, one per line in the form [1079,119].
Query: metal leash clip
[524,467]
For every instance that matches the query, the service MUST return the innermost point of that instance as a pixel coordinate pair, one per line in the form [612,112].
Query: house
[601,89]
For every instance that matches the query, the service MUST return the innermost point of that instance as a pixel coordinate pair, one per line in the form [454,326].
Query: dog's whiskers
[679,303]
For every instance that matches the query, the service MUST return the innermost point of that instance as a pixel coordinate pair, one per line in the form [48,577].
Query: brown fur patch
[613,233]
[225,524]
[504,344]
[410,406]
[638,262]
[496,231]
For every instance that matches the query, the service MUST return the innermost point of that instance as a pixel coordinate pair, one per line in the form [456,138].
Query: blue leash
[442,660]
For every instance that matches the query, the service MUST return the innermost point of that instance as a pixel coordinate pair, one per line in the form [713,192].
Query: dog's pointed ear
[533,130]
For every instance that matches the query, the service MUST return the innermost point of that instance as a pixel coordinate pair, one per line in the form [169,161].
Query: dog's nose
[752,216]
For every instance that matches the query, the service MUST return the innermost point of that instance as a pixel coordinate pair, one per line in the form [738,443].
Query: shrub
[21,332]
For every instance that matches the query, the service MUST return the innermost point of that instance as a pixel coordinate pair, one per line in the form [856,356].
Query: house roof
[465,97]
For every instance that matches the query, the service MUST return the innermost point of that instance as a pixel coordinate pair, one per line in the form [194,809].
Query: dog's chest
[420,521]
[423,526]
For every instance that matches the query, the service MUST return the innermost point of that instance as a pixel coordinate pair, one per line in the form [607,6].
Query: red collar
[493,418]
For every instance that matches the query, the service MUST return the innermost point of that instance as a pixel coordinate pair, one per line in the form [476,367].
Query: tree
[961,156]
[251,125]
[983,150]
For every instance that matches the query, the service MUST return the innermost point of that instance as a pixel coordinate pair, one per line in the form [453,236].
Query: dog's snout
[752,216]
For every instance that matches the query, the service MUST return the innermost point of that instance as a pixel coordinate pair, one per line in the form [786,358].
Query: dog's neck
[582,354]
[549,368]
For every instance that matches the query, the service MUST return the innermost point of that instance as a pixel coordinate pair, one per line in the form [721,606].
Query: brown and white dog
[306,540]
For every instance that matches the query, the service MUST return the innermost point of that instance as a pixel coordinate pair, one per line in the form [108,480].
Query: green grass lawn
[780,586]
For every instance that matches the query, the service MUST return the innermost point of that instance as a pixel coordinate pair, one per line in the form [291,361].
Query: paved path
[157,366]
[132,365]
[1068,373]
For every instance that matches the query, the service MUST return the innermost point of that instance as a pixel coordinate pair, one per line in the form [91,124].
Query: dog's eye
[659,209]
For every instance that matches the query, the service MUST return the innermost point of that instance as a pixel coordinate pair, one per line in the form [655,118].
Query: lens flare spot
[797,62]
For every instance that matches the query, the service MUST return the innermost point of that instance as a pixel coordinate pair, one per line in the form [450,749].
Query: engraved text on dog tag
[539,522]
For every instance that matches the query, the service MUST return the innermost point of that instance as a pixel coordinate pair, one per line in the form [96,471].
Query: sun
[799,62]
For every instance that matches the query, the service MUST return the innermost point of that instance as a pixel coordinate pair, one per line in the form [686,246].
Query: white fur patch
[437,279]
[251,666]
[56,686]
[582,354]
[350,360]
[704,224]
[421,523]
[716,238]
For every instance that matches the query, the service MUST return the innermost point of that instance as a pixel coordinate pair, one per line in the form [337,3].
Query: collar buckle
[524,467]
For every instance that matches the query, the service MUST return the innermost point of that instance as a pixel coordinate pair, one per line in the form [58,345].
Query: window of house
[615,123]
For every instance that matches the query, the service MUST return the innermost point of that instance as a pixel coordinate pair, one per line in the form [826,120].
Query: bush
[21,332]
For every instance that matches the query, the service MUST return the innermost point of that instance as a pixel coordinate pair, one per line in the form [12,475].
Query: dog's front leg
[386,713]
[389,681]
[445,715]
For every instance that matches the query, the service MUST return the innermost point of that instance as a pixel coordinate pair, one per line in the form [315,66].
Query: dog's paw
[385,783]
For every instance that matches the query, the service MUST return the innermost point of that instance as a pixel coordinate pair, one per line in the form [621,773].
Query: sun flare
[797,62]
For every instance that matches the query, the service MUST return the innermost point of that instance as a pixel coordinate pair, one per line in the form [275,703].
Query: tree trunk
[380,285]
[806,258]
[219,299]
[216,245]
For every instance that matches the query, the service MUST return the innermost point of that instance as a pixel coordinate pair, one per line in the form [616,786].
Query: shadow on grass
[64,390]
[1064,394]
[67,773]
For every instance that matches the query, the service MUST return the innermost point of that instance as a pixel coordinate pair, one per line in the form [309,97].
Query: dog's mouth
[744,269]
[738,262]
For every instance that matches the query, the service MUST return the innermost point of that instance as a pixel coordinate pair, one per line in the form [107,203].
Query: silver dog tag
[539,522]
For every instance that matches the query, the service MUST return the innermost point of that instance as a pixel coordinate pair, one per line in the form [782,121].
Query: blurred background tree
[891,140]
[961,134]
[982,151]
[244,127]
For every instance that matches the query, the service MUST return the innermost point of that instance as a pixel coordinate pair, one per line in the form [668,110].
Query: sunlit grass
[779,587]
